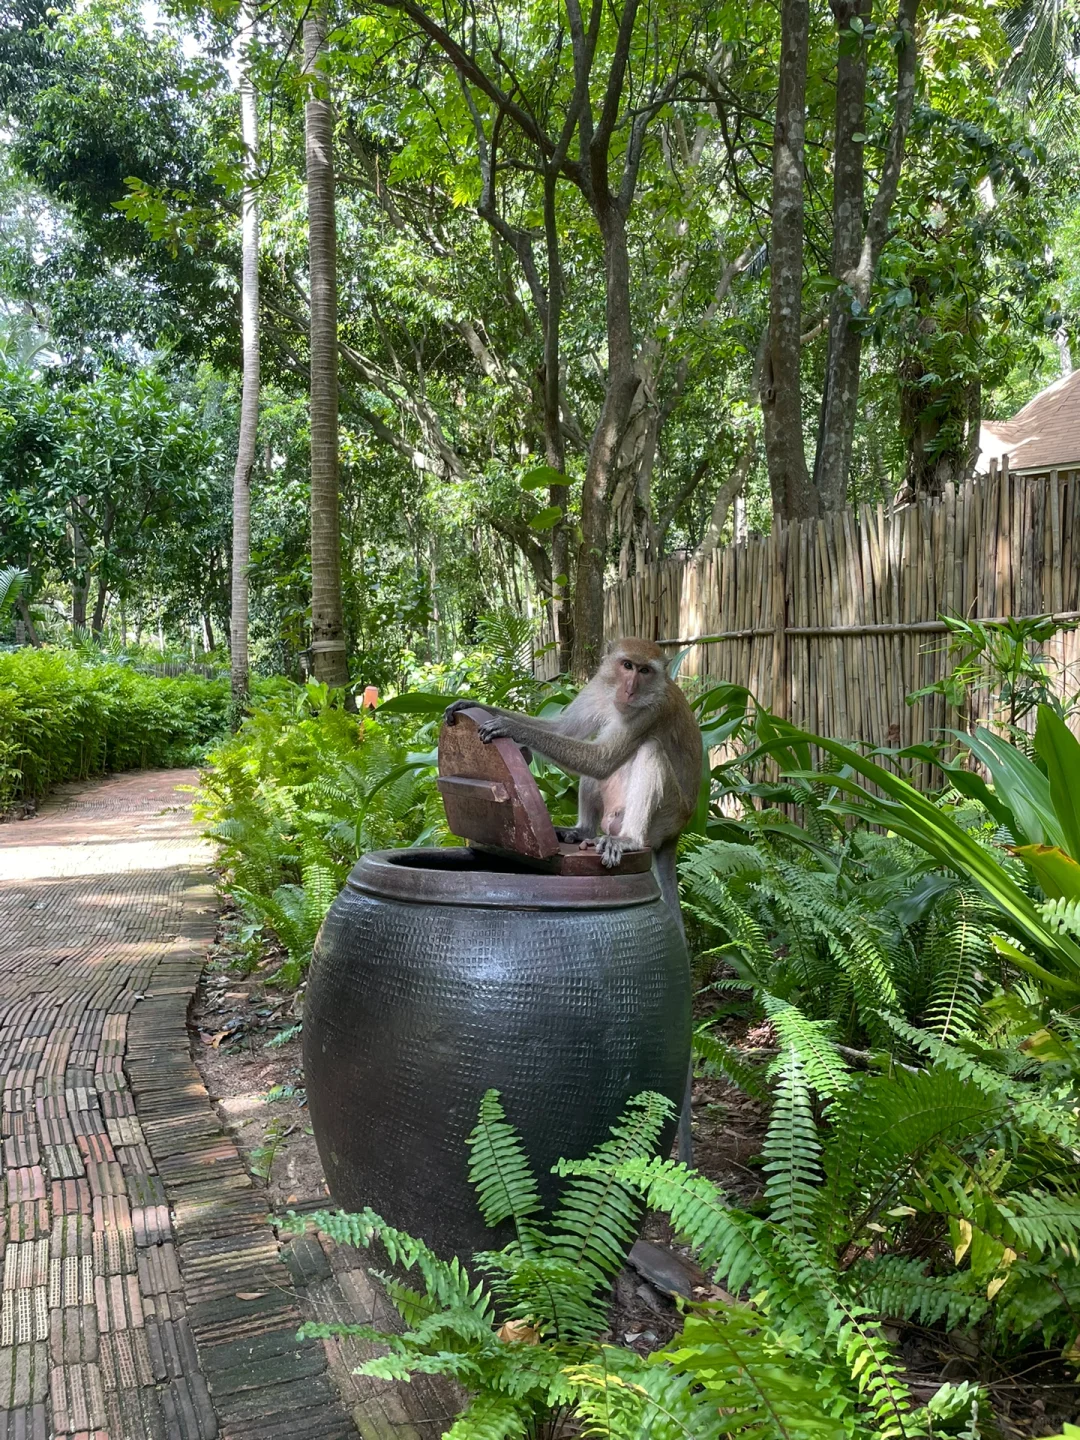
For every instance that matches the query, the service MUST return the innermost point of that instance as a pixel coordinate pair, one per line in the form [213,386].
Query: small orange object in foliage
[371,697]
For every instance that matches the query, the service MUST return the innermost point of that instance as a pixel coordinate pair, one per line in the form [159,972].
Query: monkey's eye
[627,664]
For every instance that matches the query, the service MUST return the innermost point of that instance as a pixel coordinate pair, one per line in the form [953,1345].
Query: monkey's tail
[668,876]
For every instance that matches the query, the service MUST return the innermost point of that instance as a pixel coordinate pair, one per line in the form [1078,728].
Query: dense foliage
[909,965]
[473,320]
[64,718]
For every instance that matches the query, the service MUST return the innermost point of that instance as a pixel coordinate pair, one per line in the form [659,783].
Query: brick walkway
[142,1294]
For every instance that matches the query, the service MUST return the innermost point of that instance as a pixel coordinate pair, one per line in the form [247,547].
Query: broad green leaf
[547,519]
[416,702]
[1056,872]
[1021,785]
[542,477]
[909,813]
[1059,750]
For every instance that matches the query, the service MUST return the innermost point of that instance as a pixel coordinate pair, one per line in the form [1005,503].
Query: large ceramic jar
[441,973]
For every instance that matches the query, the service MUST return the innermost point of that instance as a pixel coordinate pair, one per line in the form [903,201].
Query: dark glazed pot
[441,973]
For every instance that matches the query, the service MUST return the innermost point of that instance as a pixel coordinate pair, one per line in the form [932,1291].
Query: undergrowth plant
[299,792]
[805,1352]
[63,717]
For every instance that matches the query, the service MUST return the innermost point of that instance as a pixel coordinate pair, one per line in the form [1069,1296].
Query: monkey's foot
[610,848]
[572,835]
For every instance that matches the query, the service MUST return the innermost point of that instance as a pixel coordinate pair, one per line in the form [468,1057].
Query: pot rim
[382,873]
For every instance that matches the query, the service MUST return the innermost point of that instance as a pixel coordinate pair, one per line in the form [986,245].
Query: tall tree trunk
[554,443]
[841,392]
[28,620]
[1061,340]
[249,395]
[97,624]
[329,660]
[793,496]
[80,583]
[622,383]
[855,252]
[728,493]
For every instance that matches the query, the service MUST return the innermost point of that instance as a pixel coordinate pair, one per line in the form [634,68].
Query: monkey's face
[637,681]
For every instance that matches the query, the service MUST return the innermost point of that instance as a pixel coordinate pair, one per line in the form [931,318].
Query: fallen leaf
[218,1038]
[518,1332]
[995,1285]
[250,1294]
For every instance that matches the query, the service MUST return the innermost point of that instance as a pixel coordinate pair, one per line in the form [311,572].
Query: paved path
[143,1294]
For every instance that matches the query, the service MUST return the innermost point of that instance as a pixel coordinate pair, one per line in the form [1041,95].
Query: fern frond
[596,1222]
[812,1041]
[736,1247]
[754,1380]
[445,1281]
[1056,1121]
[792,1149]
[492,1417]
[897,1287]
[726,1061]
[1062,916]
[960,954]
[499,1169]
[618,1396]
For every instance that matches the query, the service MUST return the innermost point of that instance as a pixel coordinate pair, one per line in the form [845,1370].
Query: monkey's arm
[577,719]
[595,758]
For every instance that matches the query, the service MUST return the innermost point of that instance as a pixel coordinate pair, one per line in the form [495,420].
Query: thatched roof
[1044,435]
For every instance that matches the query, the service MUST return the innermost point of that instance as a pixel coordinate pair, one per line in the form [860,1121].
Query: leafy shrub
[300,791]
[62,718]
[525,1340]
[896,1204]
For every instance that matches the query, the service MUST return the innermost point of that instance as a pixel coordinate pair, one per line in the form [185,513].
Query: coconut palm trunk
[249,396]
[329,659]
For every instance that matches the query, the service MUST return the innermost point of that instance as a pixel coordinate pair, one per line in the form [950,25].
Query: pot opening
[463,860]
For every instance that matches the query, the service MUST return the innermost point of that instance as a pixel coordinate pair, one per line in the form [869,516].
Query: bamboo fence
[834,623]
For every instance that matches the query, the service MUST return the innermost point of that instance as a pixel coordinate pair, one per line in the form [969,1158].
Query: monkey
[632,738]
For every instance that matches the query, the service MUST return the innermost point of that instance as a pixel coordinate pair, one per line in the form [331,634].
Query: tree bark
[249,396]
[80,584]
[793,496]
[855,252]
[329,659]
[554,441]
[622,383]
[97,624]
[726,496]
[28,620]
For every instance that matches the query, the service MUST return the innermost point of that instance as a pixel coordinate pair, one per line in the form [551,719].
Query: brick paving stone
[130,1226]
[26,1424]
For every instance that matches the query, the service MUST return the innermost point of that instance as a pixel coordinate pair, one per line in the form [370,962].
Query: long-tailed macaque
[632,738]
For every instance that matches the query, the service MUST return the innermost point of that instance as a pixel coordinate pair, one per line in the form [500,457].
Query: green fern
[726,1061]
[792,1150]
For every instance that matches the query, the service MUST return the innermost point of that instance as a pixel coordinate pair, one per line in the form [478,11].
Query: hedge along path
[143,1292]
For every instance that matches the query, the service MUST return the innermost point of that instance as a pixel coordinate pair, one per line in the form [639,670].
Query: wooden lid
[492,800]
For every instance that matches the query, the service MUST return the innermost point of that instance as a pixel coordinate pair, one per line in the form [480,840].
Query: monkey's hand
[610,849]
[451,712]
[572,835]
[497,728]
